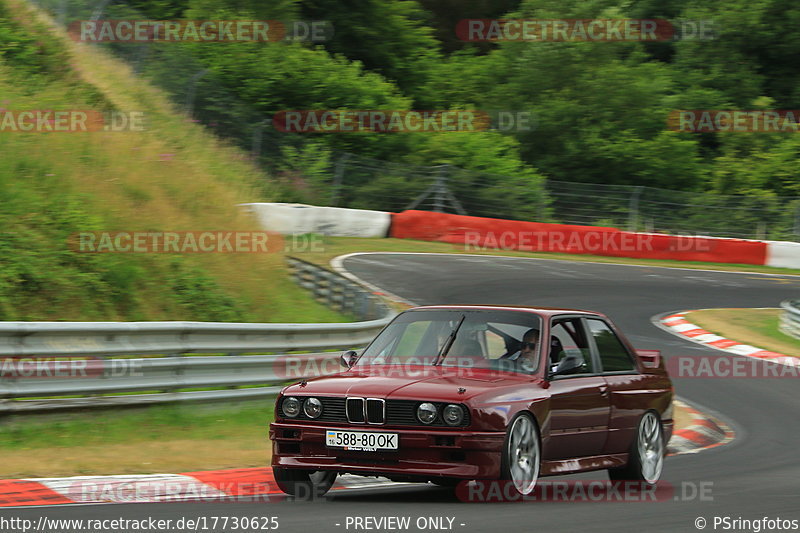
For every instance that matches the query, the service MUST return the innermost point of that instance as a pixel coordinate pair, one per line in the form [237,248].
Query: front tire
[646,458]
[521,454]
[304,484]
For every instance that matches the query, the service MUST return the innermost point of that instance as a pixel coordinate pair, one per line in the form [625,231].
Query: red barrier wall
[477,233]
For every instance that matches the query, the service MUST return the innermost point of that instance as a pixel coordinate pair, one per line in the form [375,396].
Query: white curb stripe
[743,349]
[131,488]
[709,337]
[680,328]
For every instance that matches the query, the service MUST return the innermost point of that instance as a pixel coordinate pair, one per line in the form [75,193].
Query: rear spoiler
[651,361]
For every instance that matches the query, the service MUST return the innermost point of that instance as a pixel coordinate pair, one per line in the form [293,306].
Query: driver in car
[526,356]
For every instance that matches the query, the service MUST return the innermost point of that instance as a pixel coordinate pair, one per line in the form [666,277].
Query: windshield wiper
[449,342]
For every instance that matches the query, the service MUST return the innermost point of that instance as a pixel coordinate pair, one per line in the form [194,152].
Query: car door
[625,384]
[579,404]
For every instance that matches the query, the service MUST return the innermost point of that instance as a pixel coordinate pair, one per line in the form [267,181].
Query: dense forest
[599,109]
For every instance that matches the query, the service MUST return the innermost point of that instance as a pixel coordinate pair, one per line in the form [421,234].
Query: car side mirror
[650,358]
[349,358]
[569,364]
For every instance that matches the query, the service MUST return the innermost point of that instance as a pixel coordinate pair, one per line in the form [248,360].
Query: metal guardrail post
[633,209]
[361,305]
[790,318]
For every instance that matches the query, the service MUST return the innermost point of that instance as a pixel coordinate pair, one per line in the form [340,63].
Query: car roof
[543,311]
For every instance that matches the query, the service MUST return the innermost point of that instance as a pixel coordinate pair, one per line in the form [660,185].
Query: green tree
[390,37]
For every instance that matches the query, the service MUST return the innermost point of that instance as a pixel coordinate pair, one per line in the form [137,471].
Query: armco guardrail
[82,370]
[100,382]
[337,291]
[75,339]
[790,318]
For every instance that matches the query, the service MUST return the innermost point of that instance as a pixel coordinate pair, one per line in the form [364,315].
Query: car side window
[614,357]
[567,338]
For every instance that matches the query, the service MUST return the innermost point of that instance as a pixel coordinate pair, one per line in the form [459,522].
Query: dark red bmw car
[451,393]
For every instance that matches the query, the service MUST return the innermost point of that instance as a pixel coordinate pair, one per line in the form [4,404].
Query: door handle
[603,391]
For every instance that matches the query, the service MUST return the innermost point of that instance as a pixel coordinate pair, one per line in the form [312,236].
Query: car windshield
[465,338]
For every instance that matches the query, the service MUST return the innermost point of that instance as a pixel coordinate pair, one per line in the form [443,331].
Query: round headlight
[312,408]
[291,406]
[453,415]
[426,412]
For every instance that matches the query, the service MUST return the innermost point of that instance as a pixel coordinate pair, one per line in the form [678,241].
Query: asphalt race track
[756,476]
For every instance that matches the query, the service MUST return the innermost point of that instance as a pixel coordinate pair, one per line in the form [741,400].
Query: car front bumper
[422,453]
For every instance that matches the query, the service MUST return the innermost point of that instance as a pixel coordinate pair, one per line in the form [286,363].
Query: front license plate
[367,441]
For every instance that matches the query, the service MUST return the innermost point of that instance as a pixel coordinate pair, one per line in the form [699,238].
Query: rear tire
[304,484]
[646,458]
[521,454]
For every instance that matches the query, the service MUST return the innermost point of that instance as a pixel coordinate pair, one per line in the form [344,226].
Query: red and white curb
[703,433]
[235,486]
[676,323]
[137,488]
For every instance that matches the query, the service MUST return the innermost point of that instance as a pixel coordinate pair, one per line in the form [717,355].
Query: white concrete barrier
[783,254]
[294,219]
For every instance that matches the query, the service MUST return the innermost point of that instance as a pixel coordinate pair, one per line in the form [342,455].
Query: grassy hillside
[173,176]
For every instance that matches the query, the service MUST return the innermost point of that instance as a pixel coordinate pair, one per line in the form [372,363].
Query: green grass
[770,326]
[166,438]
[165,422]
[757,327]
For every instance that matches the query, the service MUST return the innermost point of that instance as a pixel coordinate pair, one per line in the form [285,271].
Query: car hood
[430,383]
